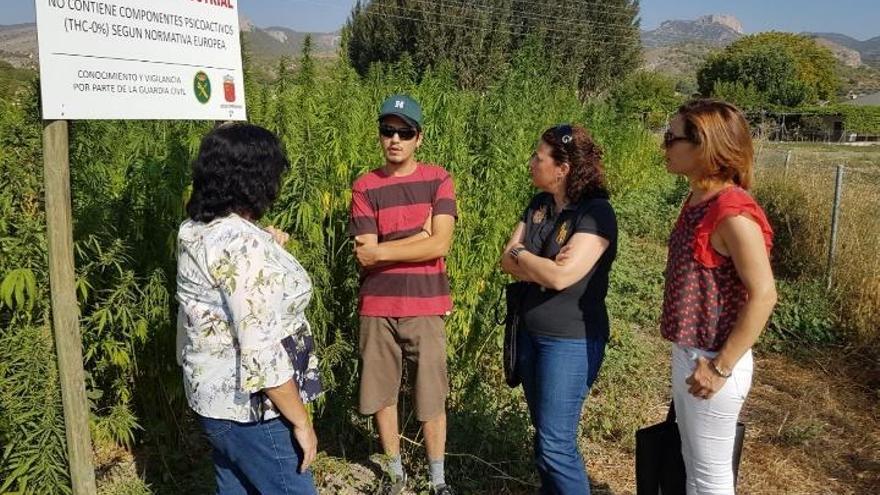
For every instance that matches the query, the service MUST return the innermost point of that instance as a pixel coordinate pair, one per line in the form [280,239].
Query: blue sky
[857,18]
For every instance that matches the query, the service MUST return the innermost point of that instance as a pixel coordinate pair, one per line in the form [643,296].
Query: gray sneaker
[442,490]
[394,486]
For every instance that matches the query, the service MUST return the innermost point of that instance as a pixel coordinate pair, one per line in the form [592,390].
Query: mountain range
[267,45]
[720,30]
[18,44]
[868,49]
[676,47]
[716,30]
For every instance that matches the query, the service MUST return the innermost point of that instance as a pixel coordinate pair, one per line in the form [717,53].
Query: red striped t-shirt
[396,208]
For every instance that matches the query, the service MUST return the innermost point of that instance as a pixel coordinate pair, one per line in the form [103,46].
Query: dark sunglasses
[405,133]
[669,138]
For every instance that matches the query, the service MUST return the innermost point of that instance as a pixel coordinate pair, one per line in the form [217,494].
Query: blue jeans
[557,375]
[255,458]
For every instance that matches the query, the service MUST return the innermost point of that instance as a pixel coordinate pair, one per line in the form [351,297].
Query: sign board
[138,59]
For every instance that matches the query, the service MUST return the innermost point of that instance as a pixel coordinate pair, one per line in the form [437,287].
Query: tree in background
[589,44]
[650,95]
[744,96]
[770,69]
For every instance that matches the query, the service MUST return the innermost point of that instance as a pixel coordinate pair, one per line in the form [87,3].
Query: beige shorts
[384,344]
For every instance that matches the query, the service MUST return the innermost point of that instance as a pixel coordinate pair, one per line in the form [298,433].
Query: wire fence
[827,205]
[807,127]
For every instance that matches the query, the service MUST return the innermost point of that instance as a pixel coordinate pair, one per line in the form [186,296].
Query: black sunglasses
[669,138]
[405,133]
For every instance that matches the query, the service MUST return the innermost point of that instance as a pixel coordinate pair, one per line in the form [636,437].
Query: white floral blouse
[241,325]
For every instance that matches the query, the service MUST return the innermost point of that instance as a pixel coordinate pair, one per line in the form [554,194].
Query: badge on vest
[563,233]
[539,215]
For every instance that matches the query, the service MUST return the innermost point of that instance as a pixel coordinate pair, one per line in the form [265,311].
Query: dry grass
[800,202]
[117,472]
[818,154]
[814,426]
[857,269]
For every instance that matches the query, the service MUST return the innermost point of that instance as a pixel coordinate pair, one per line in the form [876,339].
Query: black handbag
[513,294]
[659,465]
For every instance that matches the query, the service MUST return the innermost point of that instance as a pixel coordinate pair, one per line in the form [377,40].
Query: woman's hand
[280,236]
[509,264]
[514,246]
[289,403]
[705,383]
[308,442]
[564,255]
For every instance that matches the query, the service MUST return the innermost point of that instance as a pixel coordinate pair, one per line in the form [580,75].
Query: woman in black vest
[563,247]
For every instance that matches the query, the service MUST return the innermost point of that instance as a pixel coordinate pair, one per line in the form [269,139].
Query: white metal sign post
[119,59]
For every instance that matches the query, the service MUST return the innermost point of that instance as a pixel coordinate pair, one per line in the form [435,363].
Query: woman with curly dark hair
[563,249]
[244,343]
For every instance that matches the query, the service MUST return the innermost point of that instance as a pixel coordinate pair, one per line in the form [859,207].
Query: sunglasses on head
[405,133]
[669,138]
[564,134]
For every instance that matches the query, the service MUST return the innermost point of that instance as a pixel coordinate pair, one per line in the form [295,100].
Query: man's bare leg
[386,421]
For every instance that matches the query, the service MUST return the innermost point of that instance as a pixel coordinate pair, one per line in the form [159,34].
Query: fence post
[787,162]
[835,217]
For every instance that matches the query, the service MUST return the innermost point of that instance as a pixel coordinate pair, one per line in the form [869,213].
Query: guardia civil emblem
[562,234]
[202,87]
[539,215]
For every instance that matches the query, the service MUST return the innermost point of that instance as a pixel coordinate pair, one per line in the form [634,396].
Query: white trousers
[708,427]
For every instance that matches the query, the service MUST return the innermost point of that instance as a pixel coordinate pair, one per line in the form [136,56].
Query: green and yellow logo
[202,87]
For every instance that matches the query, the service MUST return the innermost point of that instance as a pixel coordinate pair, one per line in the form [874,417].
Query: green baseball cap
[402,106]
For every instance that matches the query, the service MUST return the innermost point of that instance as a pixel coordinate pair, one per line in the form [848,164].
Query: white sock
[438,477]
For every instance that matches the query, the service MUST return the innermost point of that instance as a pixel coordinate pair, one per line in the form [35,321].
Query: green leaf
[18,289]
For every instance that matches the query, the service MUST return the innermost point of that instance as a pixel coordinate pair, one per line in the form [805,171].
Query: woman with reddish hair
[719,290]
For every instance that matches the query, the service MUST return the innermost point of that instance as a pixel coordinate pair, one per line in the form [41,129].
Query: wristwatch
[515,251]
[723,373]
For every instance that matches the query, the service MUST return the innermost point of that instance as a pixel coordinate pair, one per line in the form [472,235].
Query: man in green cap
[402,217]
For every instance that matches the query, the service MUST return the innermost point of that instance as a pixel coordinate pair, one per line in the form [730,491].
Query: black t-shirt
[579,310]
